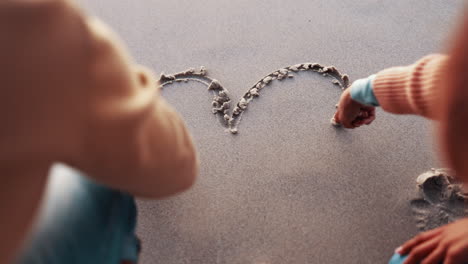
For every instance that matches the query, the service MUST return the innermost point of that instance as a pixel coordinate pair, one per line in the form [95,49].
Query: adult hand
[447,244]
[352,114]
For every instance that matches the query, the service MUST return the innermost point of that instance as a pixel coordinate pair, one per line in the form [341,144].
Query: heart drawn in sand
[222,102]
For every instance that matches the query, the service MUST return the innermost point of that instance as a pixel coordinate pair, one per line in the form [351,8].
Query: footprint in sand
[441,199]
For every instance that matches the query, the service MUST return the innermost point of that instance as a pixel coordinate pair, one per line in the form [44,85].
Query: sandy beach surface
[289,187]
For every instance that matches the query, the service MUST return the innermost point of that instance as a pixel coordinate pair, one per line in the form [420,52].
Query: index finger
[335,118]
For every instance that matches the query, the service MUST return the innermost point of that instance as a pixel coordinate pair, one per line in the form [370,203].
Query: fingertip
[358,123]
[335,117]
[368,122]
[399,250]
[404,251]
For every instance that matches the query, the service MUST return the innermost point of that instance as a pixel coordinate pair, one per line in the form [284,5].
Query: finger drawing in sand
[222,102]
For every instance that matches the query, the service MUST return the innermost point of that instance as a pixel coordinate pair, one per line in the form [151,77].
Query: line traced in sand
[222,102]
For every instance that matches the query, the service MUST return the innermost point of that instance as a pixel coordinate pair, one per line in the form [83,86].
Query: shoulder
[42,34]
[26,12]
[27,20]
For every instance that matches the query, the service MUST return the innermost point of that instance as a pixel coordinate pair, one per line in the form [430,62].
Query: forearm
[150,155]
[412,89]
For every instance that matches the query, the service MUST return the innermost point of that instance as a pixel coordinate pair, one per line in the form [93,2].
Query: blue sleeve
[362,91]
[397,259]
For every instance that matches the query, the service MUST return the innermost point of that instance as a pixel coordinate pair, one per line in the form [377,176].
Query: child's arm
[412,89]
[71,93]
[449,243]
[133,140]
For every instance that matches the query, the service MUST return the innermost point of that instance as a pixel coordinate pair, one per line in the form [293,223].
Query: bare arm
[133,140]
[71,93]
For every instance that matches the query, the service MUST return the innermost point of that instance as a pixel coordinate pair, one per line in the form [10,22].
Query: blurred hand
[447,244]
[352,114]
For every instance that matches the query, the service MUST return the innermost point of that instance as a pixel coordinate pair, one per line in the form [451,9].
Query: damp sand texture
[441,199]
